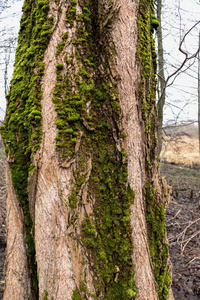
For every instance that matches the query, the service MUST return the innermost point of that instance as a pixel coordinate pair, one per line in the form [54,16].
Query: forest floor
[181,167]
[183,230]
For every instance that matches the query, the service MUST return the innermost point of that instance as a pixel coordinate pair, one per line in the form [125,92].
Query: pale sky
[9,21]
[182,96]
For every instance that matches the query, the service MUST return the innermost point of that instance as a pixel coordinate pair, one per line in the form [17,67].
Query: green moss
[22,130]
[59,66]
[76,295]
[61,45]
[154,22]
[155,218]
[32,168]
[155,215]
[131,293]
[45,295]
[106,234]
[60,48]
[71,12]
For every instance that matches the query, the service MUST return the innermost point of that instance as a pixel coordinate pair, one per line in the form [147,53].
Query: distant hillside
[189,129]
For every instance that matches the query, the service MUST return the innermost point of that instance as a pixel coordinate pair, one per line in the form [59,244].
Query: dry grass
[181,150]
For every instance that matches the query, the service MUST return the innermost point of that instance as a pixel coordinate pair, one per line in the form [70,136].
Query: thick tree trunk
[84,190]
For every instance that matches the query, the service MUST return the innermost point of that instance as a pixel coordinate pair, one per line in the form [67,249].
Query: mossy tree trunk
[85,216]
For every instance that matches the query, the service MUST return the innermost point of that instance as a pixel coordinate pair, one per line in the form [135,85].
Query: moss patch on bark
[155,212]
[22,127]
[87,103]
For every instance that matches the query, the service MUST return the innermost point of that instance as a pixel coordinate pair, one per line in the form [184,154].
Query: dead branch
[180,238]
[187,58]
[197,257]
[175,215]
[187,241]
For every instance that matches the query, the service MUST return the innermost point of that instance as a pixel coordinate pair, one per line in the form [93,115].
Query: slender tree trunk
[199,92]
[84,191]
[161,77]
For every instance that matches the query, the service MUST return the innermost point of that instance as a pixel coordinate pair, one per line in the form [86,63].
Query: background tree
[161,75]
[181,89]
[199,92]
[85,210]
[180,67]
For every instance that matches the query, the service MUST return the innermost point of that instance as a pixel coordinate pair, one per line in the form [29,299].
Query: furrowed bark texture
[84,194]
[16,260]
[125,39]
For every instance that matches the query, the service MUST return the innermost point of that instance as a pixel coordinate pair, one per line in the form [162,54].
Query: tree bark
[161,77]
[199,94]
[85,194]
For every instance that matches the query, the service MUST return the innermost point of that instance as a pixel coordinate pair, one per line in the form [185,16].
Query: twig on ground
[182,235]
[175,215]
[187,241]
[197,257]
